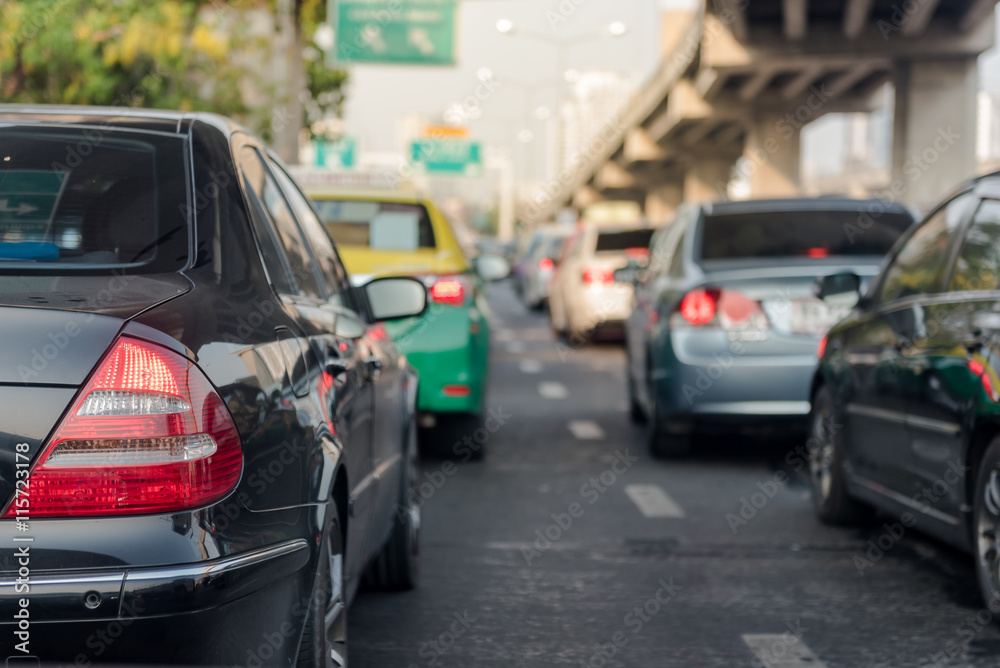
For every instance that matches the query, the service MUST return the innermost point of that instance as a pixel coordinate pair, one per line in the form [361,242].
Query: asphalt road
[569,545]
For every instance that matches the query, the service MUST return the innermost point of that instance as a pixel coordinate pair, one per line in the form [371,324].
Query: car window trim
[966,228]
[320,281]
[875,290]
[251,197]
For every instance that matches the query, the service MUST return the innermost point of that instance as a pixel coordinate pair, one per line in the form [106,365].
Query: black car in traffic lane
[905,404]
[206,437]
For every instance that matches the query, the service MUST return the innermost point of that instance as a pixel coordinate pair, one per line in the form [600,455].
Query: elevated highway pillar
[662,201]
[934,129]
[707,179]
[771,155]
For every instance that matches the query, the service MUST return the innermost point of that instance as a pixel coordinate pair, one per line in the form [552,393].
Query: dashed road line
[552,390]
[530,366]
[516,346]
[781,650]
[653,501]
[585,430]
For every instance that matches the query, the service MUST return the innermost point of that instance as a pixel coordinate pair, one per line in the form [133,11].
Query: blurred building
[988,130]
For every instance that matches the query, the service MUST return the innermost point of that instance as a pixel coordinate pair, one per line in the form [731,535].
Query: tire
[397,566]
[324,639]
[661,444]
[831,501]
[636,414]
[986,524]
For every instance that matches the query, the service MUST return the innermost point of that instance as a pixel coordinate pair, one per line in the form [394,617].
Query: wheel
[324,640]
[635,412]
[832,503]
[986,524]
[397,567]
[661,444]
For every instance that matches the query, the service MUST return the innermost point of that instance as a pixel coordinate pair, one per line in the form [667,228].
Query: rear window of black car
[800,234]
[393,226]
[619,241]
[95,199]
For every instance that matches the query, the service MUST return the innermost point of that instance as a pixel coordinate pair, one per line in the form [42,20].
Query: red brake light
[147,434]
[698,306]
[984,377]
[592,275]
[546,264]
[448,291]
[817,252]
[456,390]
[821,348]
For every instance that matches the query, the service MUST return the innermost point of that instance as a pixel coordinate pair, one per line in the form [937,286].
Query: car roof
[802,204]
[150,120]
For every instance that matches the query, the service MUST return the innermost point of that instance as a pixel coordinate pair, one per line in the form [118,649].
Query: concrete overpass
[741,78]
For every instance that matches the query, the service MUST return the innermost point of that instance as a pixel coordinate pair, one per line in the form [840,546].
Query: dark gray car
[725,326]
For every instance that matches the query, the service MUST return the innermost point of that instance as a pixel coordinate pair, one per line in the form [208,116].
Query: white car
[584,298]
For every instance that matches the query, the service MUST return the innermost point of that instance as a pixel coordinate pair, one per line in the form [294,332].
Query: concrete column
[662,201]
[706,179]
[771,156]
[934,129]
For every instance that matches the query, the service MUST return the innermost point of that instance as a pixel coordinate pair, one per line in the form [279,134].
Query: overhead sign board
[334,153]
[455,157]
[414,32]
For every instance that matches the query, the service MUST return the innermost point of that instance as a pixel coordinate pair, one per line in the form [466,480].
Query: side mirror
[396,298]
[842,289]
[492,267]
[630,274]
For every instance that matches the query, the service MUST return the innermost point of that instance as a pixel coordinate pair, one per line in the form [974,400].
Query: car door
[953,365]
[375,356]
[348,401]
[880,352]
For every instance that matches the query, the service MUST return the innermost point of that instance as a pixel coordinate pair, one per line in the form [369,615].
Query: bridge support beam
[707,179]
[662,201]
[771,156]
[934,129]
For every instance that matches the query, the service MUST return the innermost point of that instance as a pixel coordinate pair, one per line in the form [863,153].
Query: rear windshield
[96,200]
[394,226]
[620,241]
[810,234]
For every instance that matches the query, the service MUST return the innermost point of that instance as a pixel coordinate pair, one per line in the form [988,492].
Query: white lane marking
[653,501]
[781,650]
[585,430]
[553,390]
[516,347]
[530,366]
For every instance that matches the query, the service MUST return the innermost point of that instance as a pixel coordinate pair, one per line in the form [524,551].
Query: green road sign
[457,157]
[28,199]
[418,32]
[334,153]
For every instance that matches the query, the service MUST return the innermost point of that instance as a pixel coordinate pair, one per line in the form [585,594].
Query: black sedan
[206,437]
[725,328]
[905,405]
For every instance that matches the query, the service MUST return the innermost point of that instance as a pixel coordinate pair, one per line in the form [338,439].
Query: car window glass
[330,267]
[300,261]
[677,258]
[916,268]
[978,264]
[252,172]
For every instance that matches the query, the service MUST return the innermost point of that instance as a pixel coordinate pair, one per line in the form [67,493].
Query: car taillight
[821,348]
[698,306]
[598,276]
[147,434]
[448,291]
[980,370]
[728,309]
[546,264]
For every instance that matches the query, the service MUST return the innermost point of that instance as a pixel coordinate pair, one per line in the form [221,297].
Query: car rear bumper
[733,387]
[449,348]
[230,611]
